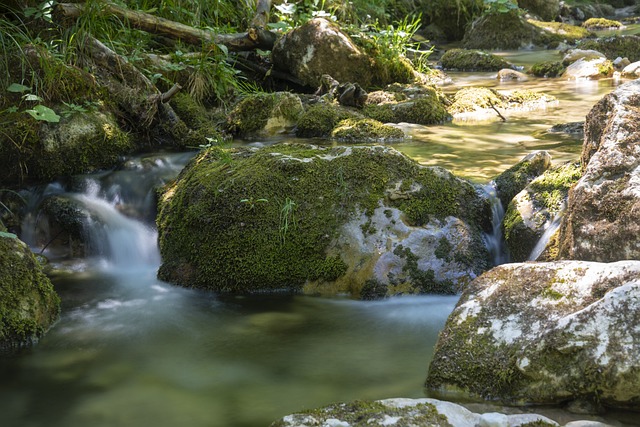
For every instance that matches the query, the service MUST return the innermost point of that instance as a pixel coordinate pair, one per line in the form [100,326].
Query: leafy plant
[291,15]
[500,6]
[39,111]
[287,218]
[251,202]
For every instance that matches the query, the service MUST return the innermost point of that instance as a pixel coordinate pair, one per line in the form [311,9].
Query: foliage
[500,6]
[291,15]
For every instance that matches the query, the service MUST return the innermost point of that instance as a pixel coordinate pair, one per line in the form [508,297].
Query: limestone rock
[632,70]
[587,54]
[323,220]
[480,103]
[320,47]
[517,177]
[507,74]
[28,302]
[625,46]
[602,222]
[589,69]
[544,333]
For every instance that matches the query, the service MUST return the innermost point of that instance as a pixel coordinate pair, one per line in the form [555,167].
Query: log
[256,37]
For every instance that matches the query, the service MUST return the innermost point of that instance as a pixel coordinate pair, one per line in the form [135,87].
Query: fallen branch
[496,110]
[256,37]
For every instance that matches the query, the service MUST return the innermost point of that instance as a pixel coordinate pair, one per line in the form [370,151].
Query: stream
[130,350]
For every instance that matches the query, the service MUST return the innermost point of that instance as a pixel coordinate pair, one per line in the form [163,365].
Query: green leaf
[32,97]
[40,112]
[17,88]
[9,235]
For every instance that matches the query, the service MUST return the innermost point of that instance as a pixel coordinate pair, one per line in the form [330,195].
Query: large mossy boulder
[366,131]
[548,10]
[42,151]
[28,302]
[544,333]
[602,222]
[328,220]
[319,120]
[474,103]
[423,106]
[536,211]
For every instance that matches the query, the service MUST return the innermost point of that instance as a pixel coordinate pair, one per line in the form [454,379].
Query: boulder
[632,70]
[548,10]
[474,103]
[507,74]
[602,222]
[407,412]
[472,60]
[547,69]
[366,131]
[533,216]
[28,302]
[423,105]
[319,120]
[265,114]
[517,177]
[323,220]
[601,24]
[589,69]
[544,333]
[574,54]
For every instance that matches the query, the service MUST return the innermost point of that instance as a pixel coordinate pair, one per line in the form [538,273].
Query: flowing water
[130,350]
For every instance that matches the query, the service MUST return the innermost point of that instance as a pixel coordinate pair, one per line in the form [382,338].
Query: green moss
[515,179]
[558,32]
[547,69]
[28,303]
[366,130]
[195,116]
[443,251]
[499,31]
[362,413]
[472,60]
[600,24]
[424,280]
[616,46]
[319,120]
[552,188]
[251,113]
[519,238]
[428,109]
[473,99]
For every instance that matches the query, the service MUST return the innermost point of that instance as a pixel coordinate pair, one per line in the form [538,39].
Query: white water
[494,241]
[550,229]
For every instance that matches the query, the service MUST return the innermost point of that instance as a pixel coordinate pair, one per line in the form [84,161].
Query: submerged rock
[405,412]
[28,302]
[544,333]
[289,217]
[602,222]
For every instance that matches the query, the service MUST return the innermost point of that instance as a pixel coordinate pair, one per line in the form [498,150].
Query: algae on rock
[291,216]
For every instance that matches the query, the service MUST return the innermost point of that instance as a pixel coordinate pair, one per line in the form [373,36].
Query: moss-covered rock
[402,412]
[537,210]
[547,69]
[472,60]
[319,120]
[544,333]
[548,10]
[28,303]
[615,46]
[601,24]
[78,144]
[420,105]
[265,114]
[328,219]
[480,102]
[366,131]
[517,177]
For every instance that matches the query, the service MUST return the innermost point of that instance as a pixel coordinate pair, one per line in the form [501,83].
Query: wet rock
[414,412]
[265,114]
[536,212]
[601,24]
[547,69]
[589,69]
[476,103]
[632,70]
[620,63]
[627,46]
[507,74]
[602,222]
[548,10]
[574,54]
[422,105]
[322,220]
[366,131]
[319,120]
[517,177]
[28,302]
[472,60]
[544,333]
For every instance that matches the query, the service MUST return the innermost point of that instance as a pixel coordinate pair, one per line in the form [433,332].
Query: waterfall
[495,240]
[550,229]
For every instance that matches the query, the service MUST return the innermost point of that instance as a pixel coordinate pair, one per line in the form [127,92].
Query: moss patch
[601,24]
[28,303]
[472,60]
[319,120]
[366,130]
[547,69]
[616,46]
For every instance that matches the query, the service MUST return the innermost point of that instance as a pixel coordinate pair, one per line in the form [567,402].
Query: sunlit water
[130,350]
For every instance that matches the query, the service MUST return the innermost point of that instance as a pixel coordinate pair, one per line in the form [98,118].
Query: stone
[544,333]
[480,103]
[517,177]
[265,114]
[298,217]
[587,54]
[602,222]
[507,74]
[28,302]
[632,70]
[320,47]
[589,69]
[547,10]
[472,60]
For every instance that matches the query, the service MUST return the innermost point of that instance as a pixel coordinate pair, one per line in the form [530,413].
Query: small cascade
[495,240]
[550,228]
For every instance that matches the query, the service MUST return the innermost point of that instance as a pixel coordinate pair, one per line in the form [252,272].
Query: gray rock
[602,222]
[574,54]
[589,69]
[631,70]
[544,333]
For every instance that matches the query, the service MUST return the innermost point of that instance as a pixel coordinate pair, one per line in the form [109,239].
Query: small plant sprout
[251,202]
[287,218]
